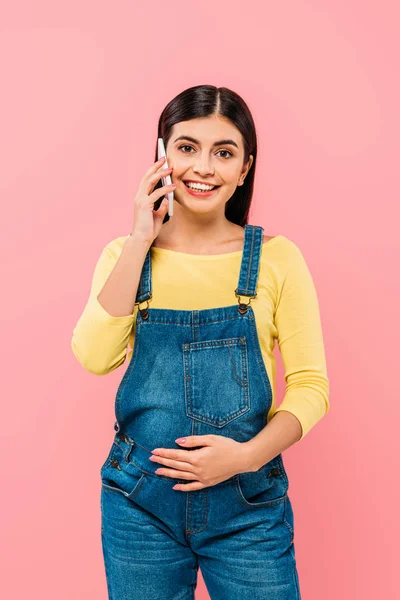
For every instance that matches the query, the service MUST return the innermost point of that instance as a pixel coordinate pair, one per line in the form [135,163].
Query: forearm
[282,431]
[118,294]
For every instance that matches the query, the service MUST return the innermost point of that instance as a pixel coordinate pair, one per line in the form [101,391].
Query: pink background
[83,84]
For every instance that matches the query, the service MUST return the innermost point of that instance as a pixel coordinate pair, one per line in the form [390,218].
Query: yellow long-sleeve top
[286,309]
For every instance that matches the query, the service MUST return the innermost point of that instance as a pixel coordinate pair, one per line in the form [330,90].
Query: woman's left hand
[219,459]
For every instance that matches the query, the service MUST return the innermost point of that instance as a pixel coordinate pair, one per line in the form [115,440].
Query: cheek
[178,169]
[229,174]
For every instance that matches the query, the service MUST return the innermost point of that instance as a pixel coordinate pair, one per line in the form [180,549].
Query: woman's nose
[203,168]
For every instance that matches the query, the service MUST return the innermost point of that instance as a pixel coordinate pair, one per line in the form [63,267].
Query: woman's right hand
[147,221]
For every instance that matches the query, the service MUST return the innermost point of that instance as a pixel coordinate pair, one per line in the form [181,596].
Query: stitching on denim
[220,423]
[235,376]
[243,259]
[188,496]
[291,530]
[260,360]
[232,341]
[138,487]
[186,375]
[187,348]
[282,469]
[135,491]
[149,320]
[189,513]
[286,522]
[204,510]
[125,378]
[251,258]
[145,282]
[244,356]
[134,442]
[253,262]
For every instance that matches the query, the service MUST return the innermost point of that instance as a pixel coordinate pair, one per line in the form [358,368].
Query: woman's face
[196,153]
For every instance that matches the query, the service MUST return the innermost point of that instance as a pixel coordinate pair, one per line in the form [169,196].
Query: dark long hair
[204,101]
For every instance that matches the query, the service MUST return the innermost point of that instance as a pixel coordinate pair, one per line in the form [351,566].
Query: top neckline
[208,256]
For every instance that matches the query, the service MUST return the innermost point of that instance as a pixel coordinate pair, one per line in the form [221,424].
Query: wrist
[248,457]
[138,242]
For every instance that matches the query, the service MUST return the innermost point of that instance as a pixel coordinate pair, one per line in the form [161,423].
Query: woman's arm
[118,294]
[101,335]
[300,340]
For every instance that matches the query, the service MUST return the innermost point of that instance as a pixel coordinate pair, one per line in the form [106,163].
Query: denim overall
[195,372]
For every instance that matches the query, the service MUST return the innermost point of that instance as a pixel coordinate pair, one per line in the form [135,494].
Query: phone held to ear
[166,180]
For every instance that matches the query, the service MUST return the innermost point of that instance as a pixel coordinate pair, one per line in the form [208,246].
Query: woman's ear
[246,170]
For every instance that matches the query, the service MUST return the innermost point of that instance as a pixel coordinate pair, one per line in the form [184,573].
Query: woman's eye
[187,146]
[230,153]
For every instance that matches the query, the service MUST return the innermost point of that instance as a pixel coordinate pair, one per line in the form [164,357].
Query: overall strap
[250,265]
[144,291]
[248,276]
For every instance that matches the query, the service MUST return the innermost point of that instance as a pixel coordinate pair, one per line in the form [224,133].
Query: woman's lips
[199,193]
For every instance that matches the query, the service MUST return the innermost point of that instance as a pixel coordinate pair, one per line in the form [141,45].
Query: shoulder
[281,254]
[114,247]
[279,244]
[281,241]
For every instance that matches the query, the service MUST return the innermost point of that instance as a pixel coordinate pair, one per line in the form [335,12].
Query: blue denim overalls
[195,372]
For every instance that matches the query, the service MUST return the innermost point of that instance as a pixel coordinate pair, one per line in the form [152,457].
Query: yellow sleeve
[100,340]
[300,340]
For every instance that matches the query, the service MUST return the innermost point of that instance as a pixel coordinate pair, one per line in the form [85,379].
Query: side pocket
[119,476]
[263,488]
[130,493]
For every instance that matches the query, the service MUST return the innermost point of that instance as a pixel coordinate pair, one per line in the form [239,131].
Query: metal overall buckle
[144,312]
[243,307]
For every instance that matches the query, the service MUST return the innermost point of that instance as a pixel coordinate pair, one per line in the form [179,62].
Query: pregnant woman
[195,477]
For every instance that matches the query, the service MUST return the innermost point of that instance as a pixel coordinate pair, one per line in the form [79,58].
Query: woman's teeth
[200,187]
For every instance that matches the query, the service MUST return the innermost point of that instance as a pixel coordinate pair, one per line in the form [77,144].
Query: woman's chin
[197,204]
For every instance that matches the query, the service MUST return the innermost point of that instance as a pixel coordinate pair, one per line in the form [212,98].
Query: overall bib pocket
[216,380]
[266,487]
[118,475]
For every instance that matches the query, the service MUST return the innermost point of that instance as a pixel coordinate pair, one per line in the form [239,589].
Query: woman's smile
[200,193]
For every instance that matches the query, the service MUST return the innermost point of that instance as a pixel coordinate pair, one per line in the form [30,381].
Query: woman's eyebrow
[220,143]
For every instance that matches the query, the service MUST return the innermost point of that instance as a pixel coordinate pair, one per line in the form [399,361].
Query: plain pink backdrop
[83,84]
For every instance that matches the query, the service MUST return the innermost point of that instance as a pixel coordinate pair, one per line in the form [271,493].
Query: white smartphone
[166,180]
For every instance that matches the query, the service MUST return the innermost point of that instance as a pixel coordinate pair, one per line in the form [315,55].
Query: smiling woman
[202,297]
[210,142]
